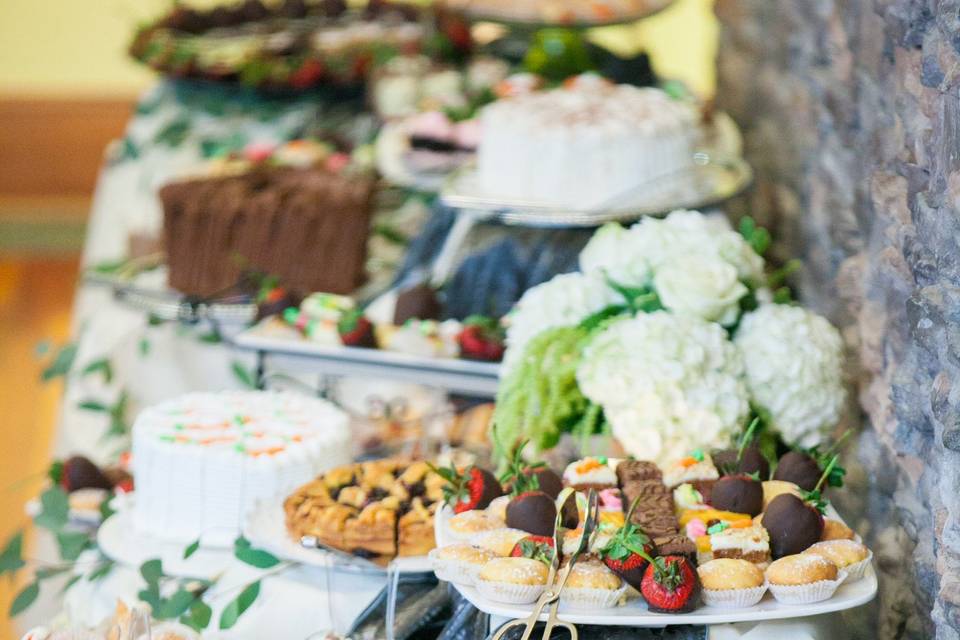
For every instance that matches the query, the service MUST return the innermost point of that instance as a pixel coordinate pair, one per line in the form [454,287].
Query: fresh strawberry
[307,74]
[481,338]
[670,585]
[472,488]
[628,552]
[356,330]
[534,547]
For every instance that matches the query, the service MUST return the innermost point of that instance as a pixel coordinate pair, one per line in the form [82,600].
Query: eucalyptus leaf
[101,366]
[74,579]
[256,557]
[239,605]
[71,544]
[243,375]
[191,549]
[61,364]
[54,509]
[152,571]
[198,618]
[93,405]
[44,573]
[11,558]
[101,571]
[24,599]
[175,606]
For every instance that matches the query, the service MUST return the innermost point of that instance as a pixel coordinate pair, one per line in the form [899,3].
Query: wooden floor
[36,295]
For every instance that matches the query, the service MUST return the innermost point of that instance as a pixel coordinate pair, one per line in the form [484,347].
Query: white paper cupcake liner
[456,571]
[807,593]
[734,598]
[509,593]
[586,598]
[857,570]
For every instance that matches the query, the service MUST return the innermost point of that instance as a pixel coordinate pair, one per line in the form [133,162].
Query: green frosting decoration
[717,528]
[697,454]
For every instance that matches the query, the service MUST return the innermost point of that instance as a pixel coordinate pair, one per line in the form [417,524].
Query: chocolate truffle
[740,494]
[800,469]
[752,461]
[793,525]
[535,512]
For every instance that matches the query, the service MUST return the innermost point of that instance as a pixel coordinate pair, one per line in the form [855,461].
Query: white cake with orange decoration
[202,461]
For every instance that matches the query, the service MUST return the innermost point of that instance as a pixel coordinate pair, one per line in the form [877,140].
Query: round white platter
[635,612]
[478,14]
[266,529]
[119,541]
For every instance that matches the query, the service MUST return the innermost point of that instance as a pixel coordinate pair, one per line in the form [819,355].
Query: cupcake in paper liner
[591,585]
[459,563]
[512,580]
[849,555]
[463,526]
[731,583]
[803,579]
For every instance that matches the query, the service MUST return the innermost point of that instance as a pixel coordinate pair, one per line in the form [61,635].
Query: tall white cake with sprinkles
[202,461]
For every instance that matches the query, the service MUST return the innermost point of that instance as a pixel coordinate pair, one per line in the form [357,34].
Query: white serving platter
[635,613]
[293,353]
[265,529]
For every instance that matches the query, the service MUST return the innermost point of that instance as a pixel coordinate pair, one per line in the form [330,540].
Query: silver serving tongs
[557,577]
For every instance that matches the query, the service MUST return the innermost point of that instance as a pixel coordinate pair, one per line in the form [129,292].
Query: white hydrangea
[794,370]
[564,301]
[667,384]
[613,251]
[684,233]
[703,286]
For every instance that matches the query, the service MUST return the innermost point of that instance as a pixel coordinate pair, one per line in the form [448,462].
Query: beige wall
[76,48]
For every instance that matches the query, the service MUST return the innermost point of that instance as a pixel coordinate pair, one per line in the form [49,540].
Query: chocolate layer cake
[308,227]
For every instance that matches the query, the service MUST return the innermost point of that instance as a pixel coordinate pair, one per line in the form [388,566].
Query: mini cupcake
[731,584]
[466,525]
[459,563]
[591,585]
[512,580]
[774,488]
[836,530]
[497,509]
[499,541]
[803,578]
[848,555]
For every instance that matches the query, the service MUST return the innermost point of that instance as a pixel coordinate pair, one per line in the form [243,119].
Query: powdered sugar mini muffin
[459,563]
[464,526]
[497,509]
[592,585]
[848,555]
[731,583]
[499,541]
[512,580]
[803,578]
[836,530]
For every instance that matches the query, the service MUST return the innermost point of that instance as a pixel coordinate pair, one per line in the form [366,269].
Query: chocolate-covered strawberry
[481,338]
[521,475]
[78,472]
[793,525]
[535,512]
[670,585]
[750,461]
[800,469]
[628,552]
[472,488]
[356,330]
[739,494]
[534,547]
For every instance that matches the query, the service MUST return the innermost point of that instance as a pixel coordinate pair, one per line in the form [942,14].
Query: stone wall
[851,112]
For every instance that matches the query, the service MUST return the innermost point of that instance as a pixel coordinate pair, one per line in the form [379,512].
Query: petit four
[590,473]
[512,580]
[464,526]
[846,554]
[591,585]
[803,579]
[731,583]
[750,543]
[697,469]
[459,563]
[499,541]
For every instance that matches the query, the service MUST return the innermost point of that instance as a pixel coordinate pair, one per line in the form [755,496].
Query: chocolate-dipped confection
[253,10]
[294,9]
[740,494]
[752,461]
[793,525]
[800,469]
[535,512]
[223,17]
[307,227]
[185,19]
[80,473]
[637,470]
[418,302]
[676,544]
[333,8]
[548,481]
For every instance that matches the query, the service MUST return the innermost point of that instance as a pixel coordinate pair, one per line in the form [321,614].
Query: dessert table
[149,361]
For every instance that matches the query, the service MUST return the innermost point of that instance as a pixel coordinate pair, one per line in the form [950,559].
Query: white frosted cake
[201,461]
[583,145]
